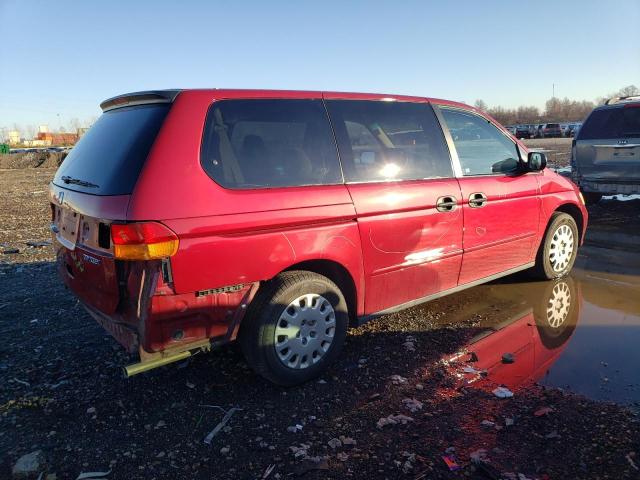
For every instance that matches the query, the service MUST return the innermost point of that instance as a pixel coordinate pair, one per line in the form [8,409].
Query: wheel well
[338,275]
[575,212]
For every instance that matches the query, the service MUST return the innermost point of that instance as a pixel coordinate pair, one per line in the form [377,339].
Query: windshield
[109,157]
[612,123]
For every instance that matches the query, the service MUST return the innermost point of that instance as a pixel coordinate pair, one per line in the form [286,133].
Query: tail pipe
[163,358]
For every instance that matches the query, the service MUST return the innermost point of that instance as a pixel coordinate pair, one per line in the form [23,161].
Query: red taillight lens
[143,241]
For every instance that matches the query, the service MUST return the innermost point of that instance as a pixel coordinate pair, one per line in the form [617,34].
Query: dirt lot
[63,394]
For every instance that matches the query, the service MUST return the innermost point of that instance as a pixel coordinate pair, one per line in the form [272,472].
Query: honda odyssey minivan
[185,219]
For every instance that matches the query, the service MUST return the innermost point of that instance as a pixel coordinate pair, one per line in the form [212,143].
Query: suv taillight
[143,241]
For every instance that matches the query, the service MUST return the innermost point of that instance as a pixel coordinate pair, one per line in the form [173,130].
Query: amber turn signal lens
[143,241]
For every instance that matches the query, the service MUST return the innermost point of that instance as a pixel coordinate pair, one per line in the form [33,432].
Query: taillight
[143,241]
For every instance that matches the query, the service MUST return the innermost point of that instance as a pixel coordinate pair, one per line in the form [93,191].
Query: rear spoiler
[139,98]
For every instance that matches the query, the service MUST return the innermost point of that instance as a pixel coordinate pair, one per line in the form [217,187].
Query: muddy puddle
[580,333]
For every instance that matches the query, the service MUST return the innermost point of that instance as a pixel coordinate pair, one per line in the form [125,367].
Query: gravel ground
[63,394]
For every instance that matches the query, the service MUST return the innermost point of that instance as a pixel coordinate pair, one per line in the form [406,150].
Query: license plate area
[67,224]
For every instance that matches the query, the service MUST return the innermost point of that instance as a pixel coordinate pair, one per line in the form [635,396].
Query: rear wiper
[76,181]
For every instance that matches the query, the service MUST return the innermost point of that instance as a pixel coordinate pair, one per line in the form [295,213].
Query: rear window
[553,125]
[108,158]
[269,143]
[611,123]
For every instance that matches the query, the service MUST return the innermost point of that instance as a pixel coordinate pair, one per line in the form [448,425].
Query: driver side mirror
[536,161]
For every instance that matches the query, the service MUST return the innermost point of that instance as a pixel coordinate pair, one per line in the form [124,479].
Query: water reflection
[580,333]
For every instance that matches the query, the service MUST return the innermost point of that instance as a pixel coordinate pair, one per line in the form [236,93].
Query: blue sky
[59,59]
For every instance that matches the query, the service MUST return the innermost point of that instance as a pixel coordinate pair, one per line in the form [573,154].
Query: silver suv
[605,156]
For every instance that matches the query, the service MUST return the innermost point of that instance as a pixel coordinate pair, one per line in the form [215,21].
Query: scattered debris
[503,392]
[508,422]
[10,251]
[295,428]
[35,244]
[410,343]
[479,456]
[343,457]
[553,434]
[543,411]
[227,416]
[397,379]
[268,471]
[450,461]
[412,404]
[302,451]
[631,462]
[29,465]
[347,440]
[334,443]
[394,420]
[487,424]
[21,382]
[91,410]
[94,475]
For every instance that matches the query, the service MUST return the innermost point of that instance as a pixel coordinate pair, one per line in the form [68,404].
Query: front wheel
[294,328]
[559,248]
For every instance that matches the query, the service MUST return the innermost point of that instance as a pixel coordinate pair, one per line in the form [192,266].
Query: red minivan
[185,219]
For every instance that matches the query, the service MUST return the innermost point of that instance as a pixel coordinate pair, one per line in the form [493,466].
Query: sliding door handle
[446,204]
[477,200]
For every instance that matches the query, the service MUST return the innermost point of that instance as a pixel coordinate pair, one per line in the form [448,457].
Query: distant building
[62,138]
[14,137]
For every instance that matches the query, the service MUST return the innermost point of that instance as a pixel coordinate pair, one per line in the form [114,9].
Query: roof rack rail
[628,98]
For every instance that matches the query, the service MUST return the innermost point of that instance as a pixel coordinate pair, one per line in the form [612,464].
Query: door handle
[446,204]
[477,200]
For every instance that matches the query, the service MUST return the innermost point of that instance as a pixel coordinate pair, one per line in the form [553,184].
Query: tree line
[556,109]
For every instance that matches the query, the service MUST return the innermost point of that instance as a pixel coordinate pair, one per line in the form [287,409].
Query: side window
[482,148]
[269,143]
[380,141]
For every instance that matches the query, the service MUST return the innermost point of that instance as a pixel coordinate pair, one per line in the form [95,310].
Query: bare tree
[30,131]
[74,124]
[481,105]
[629,91]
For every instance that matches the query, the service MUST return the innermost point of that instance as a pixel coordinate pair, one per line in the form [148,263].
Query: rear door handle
[446,204]
[477,200]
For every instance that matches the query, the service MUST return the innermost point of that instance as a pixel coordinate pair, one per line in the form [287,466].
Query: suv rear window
[553,125]
[611,123]
[262,143]
[108,158]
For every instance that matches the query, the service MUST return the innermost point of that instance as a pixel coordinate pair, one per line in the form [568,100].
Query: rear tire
[559,248]
[294,328]
[591,198]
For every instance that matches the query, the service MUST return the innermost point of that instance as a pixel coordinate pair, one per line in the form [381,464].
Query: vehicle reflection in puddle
[580,333]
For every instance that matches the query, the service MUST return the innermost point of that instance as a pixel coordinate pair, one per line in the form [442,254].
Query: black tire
[591,198]
[257,331]
[544,268]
